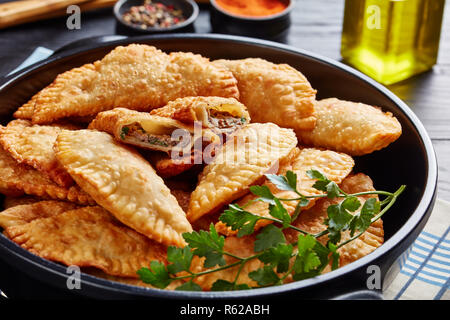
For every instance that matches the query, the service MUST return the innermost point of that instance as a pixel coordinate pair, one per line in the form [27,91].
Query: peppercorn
[153,15]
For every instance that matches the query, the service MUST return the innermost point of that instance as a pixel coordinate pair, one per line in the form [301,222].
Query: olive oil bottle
[391,40]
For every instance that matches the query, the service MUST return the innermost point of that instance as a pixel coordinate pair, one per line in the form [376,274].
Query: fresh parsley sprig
[305,258]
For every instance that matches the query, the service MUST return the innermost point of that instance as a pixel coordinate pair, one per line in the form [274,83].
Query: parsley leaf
[264,193]
[333,190]
[239,219]
[284,183]
[362,220]
[310,259]
[316,175]
[264,276]
[334,256]
[157,275]
[270,236]
[181,259]
[324,184]
[208,245]
[223,285]
[337,221]
[189,286]
[278,256]
[279,212]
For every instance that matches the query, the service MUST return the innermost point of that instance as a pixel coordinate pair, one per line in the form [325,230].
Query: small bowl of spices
[155,16]
[267,19]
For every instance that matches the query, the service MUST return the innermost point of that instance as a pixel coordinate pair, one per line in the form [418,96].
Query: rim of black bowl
[251,18]
[419,213]
[188,21]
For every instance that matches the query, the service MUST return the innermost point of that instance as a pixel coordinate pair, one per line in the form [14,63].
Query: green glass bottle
[391,40]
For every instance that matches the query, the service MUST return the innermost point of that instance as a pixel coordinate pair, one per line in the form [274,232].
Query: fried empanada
[335,166]
[33,145]
[88,237]
[124,183]
[250,152]
[311,221]
[25,213]
[138,77]
[150,131]
[223,115]
[17,179]
[351,127]
[274,93]
[176,139]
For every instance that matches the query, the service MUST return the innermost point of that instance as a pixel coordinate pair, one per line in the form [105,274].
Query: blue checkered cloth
[424,268]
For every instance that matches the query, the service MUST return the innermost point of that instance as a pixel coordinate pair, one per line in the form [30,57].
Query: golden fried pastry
[124,183]
[223,115]
[351,127]
[10,202]
[311,220]
[274,93]
[88,237]
[251,152]
[335,166]
[33,145]
[17,179]
[241,247]
[25,213]
[138,77]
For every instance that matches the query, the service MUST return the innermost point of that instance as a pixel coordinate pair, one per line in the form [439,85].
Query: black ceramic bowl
[410,160]
[273,27]
[188,7]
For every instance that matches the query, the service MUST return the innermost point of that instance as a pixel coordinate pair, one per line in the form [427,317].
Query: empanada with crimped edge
[335,166]
[124,183]
[251,152]
[33,145]
[311,221]
[136,76]
[25,213]
[274,93]
[17,179]
[88,237]
[351,127]
[216,113]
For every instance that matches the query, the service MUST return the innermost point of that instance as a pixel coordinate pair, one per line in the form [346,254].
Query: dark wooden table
[316,26]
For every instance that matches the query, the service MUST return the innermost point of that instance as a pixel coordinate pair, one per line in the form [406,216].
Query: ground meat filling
[136,132]
[224,120]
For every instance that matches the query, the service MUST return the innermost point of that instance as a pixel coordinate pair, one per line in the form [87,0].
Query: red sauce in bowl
[253,8]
